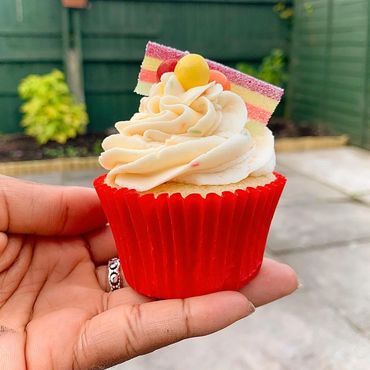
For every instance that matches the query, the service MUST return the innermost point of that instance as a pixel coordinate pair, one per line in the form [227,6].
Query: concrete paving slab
[52,178]
[340,277]
[81,177]
[295,333]
[69,178]
[318,224]
[346,168]
[302,190]
[284,170]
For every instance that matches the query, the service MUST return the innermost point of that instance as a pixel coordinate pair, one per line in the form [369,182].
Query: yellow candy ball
[192,70]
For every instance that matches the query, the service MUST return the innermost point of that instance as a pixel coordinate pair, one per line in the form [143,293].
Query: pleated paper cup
[172,246]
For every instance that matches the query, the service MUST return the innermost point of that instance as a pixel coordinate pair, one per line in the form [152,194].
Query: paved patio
[322,229]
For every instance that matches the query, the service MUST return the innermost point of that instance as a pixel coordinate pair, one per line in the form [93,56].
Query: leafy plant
[96,148]
[65,151]
[308,7]
[284,10]
[53,152]
[272,68]
[71,151]
[49,111]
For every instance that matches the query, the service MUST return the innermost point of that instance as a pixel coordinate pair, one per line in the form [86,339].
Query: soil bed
[25,148]
[283,128]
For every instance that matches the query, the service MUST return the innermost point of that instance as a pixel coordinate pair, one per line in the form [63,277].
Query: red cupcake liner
[176,247]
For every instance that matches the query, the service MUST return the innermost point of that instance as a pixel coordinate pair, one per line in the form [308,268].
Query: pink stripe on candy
[258,114]
[148,76]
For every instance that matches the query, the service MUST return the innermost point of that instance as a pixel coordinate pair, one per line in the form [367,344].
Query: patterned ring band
[114,277]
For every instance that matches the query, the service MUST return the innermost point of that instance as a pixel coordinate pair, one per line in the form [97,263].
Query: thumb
[127,331]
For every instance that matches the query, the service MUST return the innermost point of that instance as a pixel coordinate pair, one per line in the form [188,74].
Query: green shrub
[65,151]
[49,111]
[96,148]
[272,68]
[284,9]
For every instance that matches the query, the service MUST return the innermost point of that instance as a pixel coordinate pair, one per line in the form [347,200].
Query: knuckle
[134,331]
[85,353]
[186,317]
[64,213]
[4,206]
[80,351]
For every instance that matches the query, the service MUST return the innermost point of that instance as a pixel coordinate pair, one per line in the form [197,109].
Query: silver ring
[114,276]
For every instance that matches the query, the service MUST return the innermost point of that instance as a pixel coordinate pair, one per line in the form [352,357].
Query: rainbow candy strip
[260,97]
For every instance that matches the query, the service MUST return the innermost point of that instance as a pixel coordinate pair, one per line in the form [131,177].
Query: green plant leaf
[272,68]
[49,111]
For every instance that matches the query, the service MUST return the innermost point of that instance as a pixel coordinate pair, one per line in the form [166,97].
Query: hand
[55,308]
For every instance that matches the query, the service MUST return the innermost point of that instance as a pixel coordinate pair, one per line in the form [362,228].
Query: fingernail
[251,308]
[300,285]
[248,309]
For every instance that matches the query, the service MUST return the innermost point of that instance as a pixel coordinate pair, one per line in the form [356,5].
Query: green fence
[330,76]
[113,35]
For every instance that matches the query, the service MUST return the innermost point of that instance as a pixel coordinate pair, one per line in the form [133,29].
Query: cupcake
[191,189]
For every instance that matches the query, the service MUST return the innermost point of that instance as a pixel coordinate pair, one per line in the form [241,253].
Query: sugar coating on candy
[162,52]
[261,98]
[148,76]
[251,83]
[258,113]
[159,51]
[255,128]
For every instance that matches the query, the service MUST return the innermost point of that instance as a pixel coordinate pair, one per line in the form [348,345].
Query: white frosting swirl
[195,136]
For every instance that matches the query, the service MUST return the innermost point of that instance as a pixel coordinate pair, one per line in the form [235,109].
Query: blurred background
[67,73]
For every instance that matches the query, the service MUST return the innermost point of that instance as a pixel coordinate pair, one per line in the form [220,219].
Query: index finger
[31,208]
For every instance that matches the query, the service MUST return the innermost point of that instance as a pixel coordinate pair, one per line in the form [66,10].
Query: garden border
[48,165]
[292,144]
[86,163]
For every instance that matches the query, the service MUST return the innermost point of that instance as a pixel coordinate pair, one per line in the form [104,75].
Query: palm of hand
[55,308]
[50,294]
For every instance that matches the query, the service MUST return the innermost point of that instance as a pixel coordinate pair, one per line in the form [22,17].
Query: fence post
[72,52]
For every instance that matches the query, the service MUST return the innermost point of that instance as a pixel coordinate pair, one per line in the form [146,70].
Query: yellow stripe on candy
[150,63]
[143,88]
[255,98]
[255,124]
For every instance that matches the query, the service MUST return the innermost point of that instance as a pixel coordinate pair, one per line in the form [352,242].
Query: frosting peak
[195,136]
